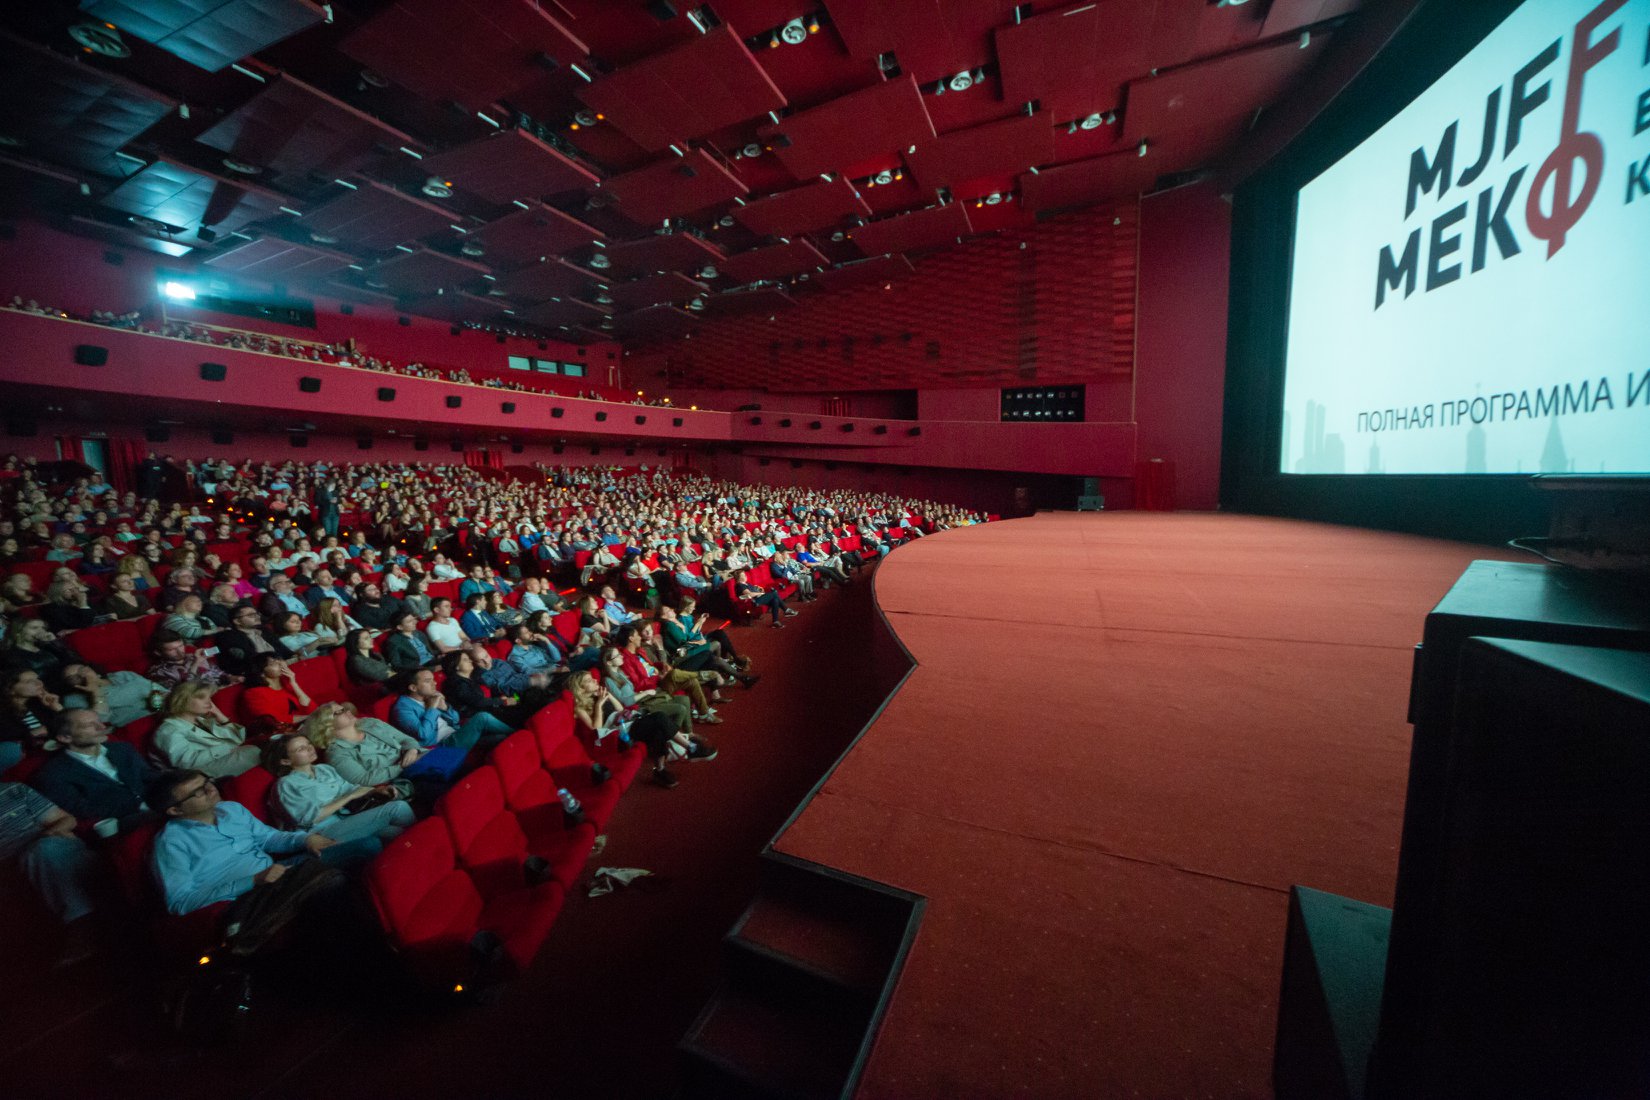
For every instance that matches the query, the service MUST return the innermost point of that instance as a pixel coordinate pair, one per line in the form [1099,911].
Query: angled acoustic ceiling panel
[997,148]
[526,235]
[568,311]
[673,287]
[777,261]
[655,321]
[373,217]
[1097,179]
[673,186]
[455,306]
[686,92]
[301,137]
[662,252]
[877,269]
[1226,88]
[1076,62]
[931,38]
[274,260]
[555,278]
[884,119]
[1289,15]
[424,271]
[70,113]
[938,225]
[470,52]
[802,209]
[182,196]
[509,165]
[762,299]
[210,34]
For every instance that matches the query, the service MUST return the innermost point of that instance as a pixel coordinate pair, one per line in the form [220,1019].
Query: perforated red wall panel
[468,51]
[673,186]
[802,209]
[524,236]
[997,148]
[688,91]
[774,262]
[1077,63]
[1098,179]
[932,39]
[883,119]
[985,313]
[924,229]
[510,165]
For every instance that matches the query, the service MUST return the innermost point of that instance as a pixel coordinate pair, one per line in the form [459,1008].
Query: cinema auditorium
[786,549]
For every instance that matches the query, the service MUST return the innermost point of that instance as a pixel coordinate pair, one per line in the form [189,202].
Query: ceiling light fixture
[993,199]
[697,303]
[725,221]
[241,167]
[581,72]
[102,39]
[751,150]
[962,82]
[600,262]
[374,79]
[472,249]
[708,271]
[438,188]
[794,33]
[1093,122]
[322,238]
[584,118]
[1143,147]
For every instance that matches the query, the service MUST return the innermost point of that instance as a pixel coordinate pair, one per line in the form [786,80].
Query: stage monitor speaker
[91,355]
[386,393]
[223,437]
[1091,486]
[157,434]
[309,385]
[213,372]
[1091,503]
[507,407]
[454,401]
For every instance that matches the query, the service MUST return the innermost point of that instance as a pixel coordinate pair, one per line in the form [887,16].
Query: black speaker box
[364,443]
[91,355]
[516,448]
[386,393]
[309,385]
[213,372]
[785,423]
[507,407]
[641,420]
[601,416]
[556,413]
[454,402]
[675,422]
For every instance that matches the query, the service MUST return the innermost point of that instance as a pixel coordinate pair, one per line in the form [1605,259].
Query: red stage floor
[1128,735]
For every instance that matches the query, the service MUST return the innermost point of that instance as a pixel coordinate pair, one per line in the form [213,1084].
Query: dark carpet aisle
[1127,735]
[620,978]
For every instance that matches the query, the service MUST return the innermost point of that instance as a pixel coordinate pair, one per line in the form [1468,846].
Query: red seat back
[254,789]
[112,646]
[318,676]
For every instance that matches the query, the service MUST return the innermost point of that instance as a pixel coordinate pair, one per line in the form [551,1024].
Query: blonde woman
[314,797]
[196,734]
[137,567]
[332,623]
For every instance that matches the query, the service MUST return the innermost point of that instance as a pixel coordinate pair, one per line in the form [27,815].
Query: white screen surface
[1444,339]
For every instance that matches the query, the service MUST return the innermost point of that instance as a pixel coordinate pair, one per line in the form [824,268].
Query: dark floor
[617,984]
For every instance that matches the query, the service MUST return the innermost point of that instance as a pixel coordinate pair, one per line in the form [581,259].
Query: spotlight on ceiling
[961,82]
[472,249]
[241,167]
[697,303]
[586,118]
[794,32]
[708,271]
[438,188]
[725,221]
[322,238]
[1143,147]
[884,177]
[993,199]
[1093,122]
[838,235]
[100,38]
[751,150]
[604,299]
[600,262]
[178,292]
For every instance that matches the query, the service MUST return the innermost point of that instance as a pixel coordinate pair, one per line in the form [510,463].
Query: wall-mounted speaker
[91,355]
[507,407]
[364,443]
[457,444]
[298,439]
[309,385]
[814,425]
[595,450]
[500,338]
[880,429]
[847,427]
[913,431]
[386,393]
[454,331]
[796,464]
[629,450]
[556,449]
[454,401]
[157,433]
[404,322]
[556,412]
[213,372]
[223,437]
[764,462]
[756,420]
[516,448]
[675,422]
[421,444]
[785,423]
[601,416]
[641,420]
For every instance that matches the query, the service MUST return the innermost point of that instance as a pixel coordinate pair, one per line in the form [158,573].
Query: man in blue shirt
[423,712]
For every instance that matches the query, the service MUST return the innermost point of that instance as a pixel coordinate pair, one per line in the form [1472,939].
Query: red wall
[1180,371]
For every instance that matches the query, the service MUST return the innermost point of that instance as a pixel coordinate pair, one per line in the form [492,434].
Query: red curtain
[125,455]
[484,458]
[68,448]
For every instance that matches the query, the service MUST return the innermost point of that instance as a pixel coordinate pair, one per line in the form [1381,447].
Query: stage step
[851,941]
[1334,965]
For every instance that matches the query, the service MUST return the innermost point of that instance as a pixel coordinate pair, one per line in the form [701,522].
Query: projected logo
[1560,192]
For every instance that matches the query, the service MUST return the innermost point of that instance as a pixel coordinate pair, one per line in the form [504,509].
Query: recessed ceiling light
[794,32]
[697,303]
[100,38]
[884,177]
[754,149]
[600,262]
[1092,122]
[585,118]
[725,220]
[241,167]
[993,199]
[962,82]
[471,248]
[708,271]
[438,188]
[322,238]
[374,79]
[604,299]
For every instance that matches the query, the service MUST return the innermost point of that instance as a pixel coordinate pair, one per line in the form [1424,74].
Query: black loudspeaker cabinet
[1542,979]
[309,385]
[454,401]
[91,355]
[386,393]
[213,372]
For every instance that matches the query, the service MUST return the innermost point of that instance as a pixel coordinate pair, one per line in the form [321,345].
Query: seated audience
[39,837]
[118,698]
[91,777]
[406,648]
[362,665]
[27,711]
[424,712]
[273,698]
[123,600]
[196,734]
[314,796]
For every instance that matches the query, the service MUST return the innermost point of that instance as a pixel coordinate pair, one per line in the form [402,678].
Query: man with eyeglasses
[211,850]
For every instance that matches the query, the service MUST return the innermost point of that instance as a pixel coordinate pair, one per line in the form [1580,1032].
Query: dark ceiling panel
[672,287]
[686,92]
[884,119]
[509,165]
[938,225]
[184,197]
[762,299]
[301,137]
[425,271]
[662,252]
[654,322]
[672,186]
[471,52]
[1289,15]
[568,311]
[997,148]
[777,261]
[1225,88]
[374,217]
[1076,63]
[931,38]
[878,269]
[1089,181]
[274,260]
[526,235]
[803,209]
[211,34]
[815,70]
[751,17]
[67,112]
[554,278]
[456,306]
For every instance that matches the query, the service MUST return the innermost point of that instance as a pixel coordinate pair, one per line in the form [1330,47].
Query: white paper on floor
[609,879]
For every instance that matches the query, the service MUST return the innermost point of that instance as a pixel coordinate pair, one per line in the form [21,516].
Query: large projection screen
[1470,286]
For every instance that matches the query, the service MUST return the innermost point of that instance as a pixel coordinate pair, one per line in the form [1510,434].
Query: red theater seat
[318,676]
[487,837]
[112,646]
[253,790]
